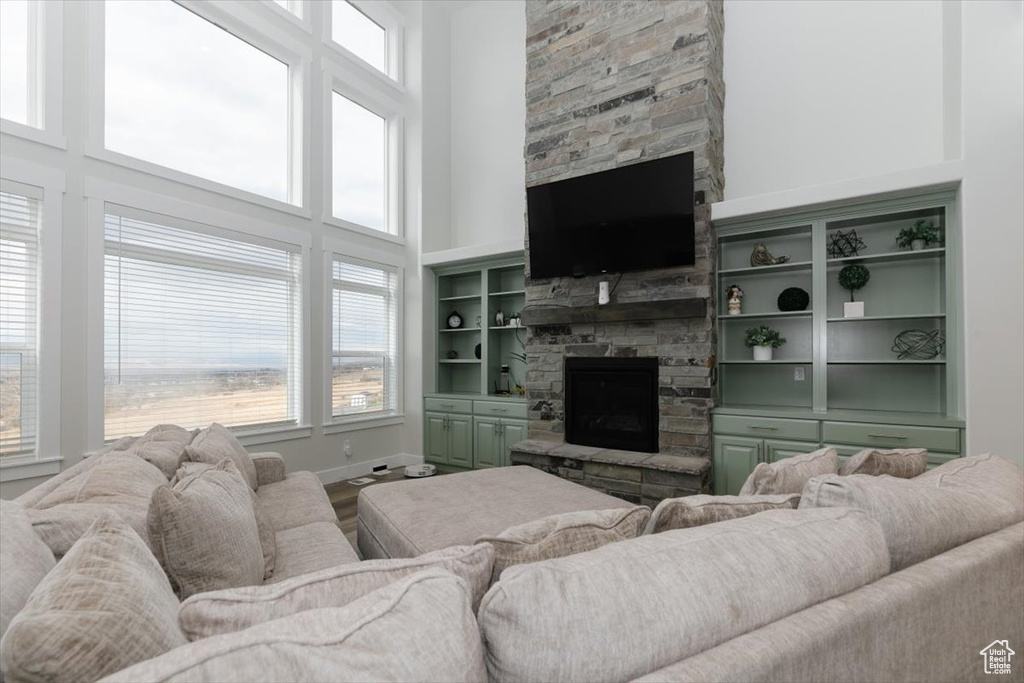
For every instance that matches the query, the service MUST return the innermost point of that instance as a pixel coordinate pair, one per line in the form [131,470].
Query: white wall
[827,92]
[488,122]
[823,91]
[319,452]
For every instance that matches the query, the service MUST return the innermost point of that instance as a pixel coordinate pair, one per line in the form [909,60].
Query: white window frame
[46,185]
[162,209]
[47,60]
[387,17]
[374,258]
[261,32]
[299,15]
[389,106]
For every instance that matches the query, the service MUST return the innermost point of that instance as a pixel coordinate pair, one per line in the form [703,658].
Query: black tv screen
[630,218]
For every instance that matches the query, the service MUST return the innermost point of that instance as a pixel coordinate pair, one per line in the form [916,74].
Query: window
[200,326]
[359,34]
[292,6]
[19,312]
[359,173]
[364,339]
[19,62]
[186,94]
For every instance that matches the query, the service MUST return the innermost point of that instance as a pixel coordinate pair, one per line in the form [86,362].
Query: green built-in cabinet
[468,424]
[837,380]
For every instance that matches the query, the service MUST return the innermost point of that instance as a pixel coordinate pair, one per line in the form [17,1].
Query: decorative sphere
[793,299]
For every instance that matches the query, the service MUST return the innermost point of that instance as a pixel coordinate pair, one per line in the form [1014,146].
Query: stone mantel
[666,309]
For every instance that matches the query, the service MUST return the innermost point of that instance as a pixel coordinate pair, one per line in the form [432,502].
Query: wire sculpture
[919,344]
[844,244]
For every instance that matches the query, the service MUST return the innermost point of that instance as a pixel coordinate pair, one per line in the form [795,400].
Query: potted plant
[763,340]
[853,278]
[919,235]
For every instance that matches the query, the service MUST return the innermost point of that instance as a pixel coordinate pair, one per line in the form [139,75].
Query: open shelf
[905,255]
[870,318]
[466,297]
[507,327]
[765,362]
[888,361]
[514,292]
[758,270]
[460,329]
[772,314]
[459,361]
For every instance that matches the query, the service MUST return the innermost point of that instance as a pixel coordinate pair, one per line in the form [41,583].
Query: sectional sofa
[870,578]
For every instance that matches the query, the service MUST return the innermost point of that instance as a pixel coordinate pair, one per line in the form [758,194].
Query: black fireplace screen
[612,403]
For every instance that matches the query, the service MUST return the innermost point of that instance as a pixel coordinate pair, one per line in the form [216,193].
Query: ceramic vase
[763,352]
[917,245]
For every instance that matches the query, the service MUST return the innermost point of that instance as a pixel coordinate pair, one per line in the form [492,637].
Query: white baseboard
[362,469]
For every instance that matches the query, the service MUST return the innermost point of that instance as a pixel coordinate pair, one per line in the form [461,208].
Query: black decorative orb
[476,351]
[793,299]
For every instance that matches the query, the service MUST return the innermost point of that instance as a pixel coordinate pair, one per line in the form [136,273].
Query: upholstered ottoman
[409,518]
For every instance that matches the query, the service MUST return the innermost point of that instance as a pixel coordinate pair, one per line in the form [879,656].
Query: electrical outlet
[798,374]
[346,446]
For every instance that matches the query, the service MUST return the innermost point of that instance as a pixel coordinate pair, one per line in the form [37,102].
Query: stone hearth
[609,84]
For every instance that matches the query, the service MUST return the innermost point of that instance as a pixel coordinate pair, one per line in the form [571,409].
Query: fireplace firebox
[612,403]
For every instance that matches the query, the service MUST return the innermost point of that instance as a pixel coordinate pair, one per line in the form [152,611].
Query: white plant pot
[853,309]
[763,352]
[917,245]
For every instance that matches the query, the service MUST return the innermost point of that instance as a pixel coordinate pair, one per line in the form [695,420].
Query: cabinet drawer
[892,436]
[499,409]
[448,405]
[767,427]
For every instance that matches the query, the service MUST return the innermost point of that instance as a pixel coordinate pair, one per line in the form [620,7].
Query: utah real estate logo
[997,657]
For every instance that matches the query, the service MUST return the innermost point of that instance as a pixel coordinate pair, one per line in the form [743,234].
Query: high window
[359,173]
[19,323]
[184,93]
[353,29]
[19,62]
[364,339]
[201,325]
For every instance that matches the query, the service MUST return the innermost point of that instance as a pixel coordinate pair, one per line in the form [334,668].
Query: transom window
[184,93]
[201,325]
[359,34]
[19,323]
[359,168]
[364,338]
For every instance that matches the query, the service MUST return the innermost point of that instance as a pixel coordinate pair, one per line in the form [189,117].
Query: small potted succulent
[764,340]
[919,235]
[853,278]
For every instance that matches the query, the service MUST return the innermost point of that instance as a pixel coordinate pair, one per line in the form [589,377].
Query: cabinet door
[486,442]
[460,440]
[777,450]
[512,431]
[436,446]
[735,458]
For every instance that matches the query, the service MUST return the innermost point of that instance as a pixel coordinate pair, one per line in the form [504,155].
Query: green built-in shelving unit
[836,370]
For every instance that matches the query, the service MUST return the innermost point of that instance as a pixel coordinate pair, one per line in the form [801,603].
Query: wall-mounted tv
[634,217]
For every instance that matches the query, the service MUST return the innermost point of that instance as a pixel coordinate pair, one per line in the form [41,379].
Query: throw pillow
[204,532]
[210,614]
[904,463]
[106,606]
[691,511]
[919,519]
[997,477]
[565,534]
[24,561]
[417,629]
[789,475]
[215,443]
[163,446]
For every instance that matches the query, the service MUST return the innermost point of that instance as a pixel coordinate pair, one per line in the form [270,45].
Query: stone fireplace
[608,84]
[612,403]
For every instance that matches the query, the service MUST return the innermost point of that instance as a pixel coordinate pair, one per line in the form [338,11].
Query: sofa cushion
[549,621]
[209,614]
[418,629]
[310,548]
[24,561]
[216,442]
[789,475]
[163,447]
[904,463]
[296,500]
[997,477]
[919,520]
[204,532]
[106,605]
[691,511]
[565,534]
[409,518]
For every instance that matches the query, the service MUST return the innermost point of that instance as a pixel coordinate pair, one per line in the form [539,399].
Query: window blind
[19,323]
[199,327]
[364,339]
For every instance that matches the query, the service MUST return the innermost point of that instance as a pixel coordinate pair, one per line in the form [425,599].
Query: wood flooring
[344,495]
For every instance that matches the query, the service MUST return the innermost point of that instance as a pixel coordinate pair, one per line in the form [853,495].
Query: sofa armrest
[269,468]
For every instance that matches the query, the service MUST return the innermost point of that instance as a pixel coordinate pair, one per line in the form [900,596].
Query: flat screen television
[631,218]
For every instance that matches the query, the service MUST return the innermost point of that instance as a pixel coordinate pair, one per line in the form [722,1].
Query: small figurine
[452,354]
[762,257]
[735,297]
[499,319]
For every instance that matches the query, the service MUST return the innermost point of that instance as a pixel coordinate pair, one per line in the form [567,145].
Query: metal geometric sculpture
[844,244]
[918,344]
